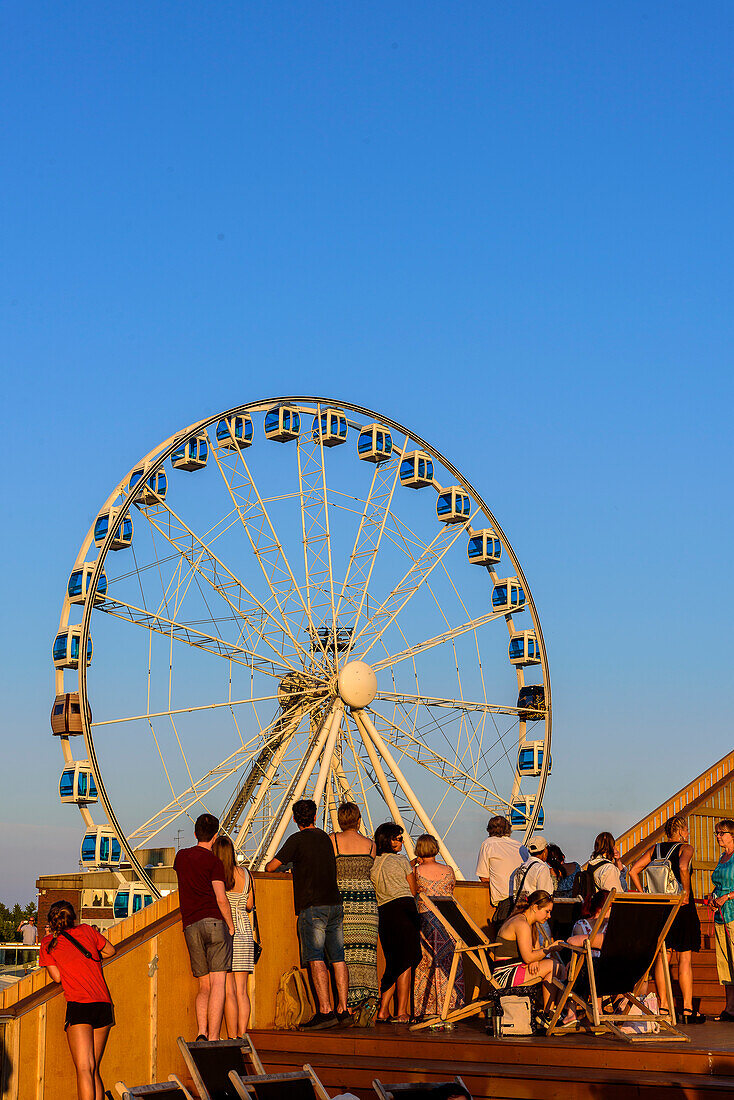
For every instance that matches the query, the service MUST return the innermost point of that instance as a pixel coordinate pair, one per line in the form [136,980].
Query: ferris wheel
[297,598]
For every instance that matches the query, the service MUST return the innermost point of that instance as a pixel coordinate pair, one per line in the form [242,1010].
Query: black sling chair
[635,936]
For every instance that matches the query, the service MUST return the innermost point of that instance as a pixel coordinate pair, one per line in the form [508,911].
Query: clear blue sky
[509,226]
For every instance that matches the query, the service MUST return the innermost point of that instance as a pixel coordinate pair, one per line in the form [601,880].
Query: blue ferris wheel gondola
[235,433]
[101,848]
[416,470]
[148,490]
[122,538]
[374,443]
[191,454]
[453,505]
[130,899]
[484,548]
[330,428]
[282,423]
[66,648]
[78,587]
[77,784]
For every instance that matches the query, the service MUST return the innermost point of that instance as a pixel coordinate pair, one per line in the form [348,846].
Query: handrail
[125,935]
[677,804]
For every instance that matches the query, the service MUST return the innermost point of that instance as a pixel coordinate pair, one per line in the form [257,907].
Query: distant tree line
[11,918]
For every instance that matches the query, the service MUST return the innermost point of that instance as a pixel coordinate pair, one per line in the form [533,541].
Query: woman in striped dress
[241,897]
[354,858]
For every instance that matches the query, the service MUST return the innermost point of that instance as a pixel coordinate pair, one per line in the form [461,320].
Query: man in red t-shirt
[207,923]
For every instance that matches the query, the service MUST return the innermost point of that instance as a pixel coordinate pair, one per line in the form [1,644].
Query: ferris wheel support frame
[152,463]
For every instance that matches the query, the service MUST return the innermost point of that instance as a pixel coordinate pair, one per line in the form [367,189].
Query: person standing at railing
[684,935]
[28,932]
[73,955]
[722,902]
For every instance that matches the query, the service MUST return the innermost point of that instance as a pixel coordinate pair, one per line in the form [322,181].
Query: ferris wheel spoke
[266,544]
[448,704]
[381,779]
[216,567]
[255,784]
[183,710]
[369,533]
[275,831]
[182,802]
[412,580]
[246,527]
[358,769]
[448,770]
[317,560]
[183,632]
[438,639]
[263,772]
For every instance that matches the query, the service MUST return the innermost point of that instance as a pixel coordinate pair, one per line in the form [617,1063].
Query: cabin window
[88,848]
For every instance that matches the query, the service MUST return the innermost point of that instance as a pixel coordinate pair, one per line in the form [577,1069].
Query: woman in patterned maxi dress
[437,948]
[241,897]
[354,858]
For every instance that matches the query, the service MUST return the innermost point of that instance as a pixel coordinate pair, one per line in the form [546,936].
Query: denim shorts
[210,946]
[321,933]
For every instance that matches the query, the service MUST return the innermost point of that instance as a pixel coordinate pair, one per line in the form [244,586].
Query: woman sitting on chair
[584,925]
[519,960]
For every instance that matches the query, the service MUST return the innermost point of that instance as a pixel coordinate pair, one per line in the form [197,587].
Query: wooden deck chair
[469,942]
[635,936]
[417,1090]
[279,1086]
[172,1089]
[210,1064]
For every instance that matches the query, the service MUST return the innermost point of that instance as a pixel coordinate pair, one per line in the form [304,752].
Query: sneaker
[320,1020]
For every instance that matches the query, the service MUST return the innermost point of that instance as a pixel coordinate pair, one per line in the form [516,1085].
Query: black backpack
[583,883]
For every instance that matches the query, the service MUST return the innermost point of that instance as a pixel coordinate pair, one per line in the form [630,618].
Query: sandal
[690,1016]
[725,1017]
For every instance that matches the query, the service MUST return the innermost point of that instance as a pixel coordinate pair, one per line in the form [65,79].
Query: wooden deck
[568,1068]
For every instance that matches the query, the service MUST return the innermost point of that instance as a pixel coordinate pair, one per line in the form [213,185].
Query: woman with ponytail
[518,959]
[72,954]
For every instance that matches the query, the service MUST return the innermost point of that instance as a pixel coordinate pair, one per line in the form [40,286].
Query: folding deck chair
[280,1086]
[469,942]
[172,1089]
[418,1090]
[635,936]
[210,1064]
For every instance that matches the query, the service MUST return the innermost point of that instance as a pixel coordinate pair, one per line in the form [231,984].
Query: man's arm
[273,865]
[222,901]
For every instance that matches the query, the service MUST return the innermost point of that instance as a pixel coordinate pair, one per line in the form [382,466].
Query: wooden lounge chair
[635,936]
[417,1090]
[172,1089]
[469,942]
[210,1064]
[280,1086]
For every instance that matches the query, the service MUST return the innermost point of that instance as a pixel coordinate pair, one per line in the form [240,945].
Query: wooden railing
[681,801]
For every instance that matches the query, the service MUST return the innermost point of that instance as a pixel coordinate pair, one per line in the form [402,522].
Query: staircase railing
[654,821]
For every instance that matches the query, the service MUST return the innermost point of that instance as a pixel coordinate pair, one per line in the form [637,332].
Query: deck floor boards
[576,1067]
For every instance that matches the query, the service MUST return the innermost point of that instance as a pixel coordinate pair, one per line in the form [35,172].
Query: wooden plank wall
[153,992]
[701,822]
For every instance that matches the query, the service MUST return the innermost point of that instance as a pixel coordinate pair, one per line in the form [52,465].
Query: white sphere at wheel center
[357,684]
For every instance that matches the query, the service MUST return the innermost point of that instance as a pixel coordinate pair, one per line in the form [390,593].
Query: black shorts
[95,1013]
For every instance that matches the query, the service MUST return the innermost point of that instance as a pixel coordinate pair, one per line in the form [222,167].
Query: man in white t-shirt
[534,874]
[28,932]
[499,855]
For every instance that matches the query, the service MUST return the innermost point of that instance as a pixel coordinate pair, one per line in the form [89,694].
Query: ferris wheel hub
[357,684]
